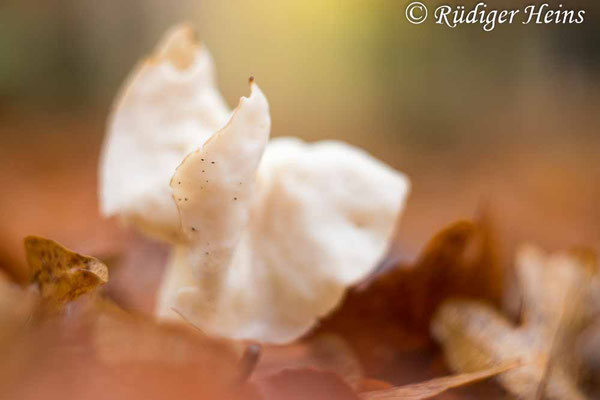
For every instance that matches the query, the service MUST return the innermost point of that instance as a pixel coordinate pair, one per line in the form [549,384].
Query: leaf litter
[556,290]
[457,270]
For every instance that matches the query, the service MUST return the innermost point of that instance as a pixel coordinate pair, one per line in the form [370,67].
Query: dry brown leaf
[61,274]
[555,290]
[324,353]
[303,384]
[387,319]
[121,338]
[98,351]
[459,260]
[588,347]
[436,386]
[124,340]
[309,383]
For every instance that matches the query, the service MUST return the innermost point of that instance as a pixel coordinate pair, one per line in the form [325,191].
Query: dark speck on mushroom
[235,198]
[193,229]
[186,199]
[212,162]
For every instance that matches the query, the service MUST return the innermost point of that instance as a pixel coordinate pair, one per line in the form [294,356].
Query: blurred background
[507,121]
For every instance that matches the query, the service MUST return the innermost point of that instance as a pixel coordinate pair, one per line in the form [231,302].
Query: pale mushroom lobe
[168,106]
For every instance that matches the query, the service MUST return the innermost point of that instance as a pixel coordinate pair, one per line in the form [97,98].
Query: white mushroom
[169,107]
[264,244]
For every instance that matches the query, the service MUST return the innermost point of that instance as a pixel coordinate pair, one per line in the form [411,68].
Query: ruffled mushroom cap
[281,245]
[268,234]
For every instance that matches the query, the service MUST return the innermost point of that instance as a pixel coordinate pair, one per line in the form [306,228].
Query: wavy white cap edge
[267,235]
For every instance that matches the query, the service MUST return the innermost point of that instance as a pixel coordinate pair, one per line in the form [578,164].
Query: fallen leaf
[588,348]
[324,353]
[97,351]
[555,290]
[121,338]
[61,274]
[459,260]
[309,383]
[302,384]
[434,387]
[387,319]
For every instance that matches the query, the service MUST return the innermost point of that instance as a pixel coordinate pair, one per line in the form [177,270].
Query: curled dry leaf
[555,291]
[267,235]
[387,320]
[61,274]
[436,386]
